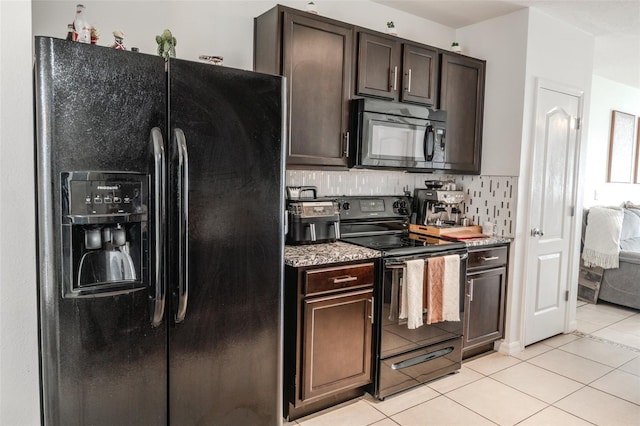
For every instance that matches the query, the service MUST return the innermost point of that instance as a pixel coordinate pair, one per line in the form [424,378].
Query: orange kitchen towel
[435,278]
[451,288]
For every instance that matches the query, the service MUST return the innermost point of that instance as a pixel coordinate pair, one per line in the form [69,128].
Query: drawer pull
[486,259]
[344,279]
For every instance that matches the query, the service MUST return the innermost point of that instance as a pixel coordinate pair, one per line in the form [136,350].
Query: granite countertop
[487,241]
[325,253]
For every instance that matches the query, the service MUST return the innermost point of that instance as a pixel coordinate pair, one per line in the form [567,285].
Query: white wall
[19,397]
[217,27]
[606,96]
[502,42]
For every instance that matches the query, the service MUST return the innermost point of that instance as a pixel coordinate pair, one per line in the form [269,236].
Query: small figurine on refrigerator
[118,42]
[166,45]
[82,29]
[95,35]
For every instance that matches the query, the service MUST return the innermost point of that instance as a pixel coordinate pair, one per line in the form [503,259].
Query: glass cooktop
[392,245]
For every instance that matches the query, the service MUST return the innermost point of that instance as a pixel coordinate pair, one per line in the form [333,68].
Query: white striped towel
[602,237]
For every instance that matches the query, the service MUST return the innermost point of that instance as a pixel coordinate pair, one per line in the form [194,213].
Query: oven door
[398,142]
[395,336]
[407,357]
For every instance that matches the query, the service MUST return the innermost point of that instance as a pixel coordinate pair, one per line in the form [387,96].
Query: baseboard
[510,348]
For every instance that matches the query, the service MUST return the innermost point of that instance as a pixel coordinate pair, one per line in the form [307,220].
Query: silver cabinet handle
[159,179]
[372,305]
[345,152]
[487,259]
[183,224]
[344,279]
[409,82]
[336,229]
[395,78]
[470,291]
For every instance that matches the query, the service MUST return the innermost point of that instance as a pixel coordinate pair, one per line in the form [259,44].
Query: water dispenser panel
[104,233]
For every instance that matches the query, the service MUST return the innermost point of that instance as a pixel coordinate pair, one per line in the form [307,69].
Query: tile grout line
[603,340]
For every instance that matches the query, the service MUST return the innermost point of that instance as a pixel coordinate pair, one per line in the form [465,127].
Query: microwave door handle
[429,143]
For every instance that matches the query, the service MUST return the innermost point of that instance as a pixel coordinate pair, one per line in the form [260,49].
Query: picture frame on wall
[638,152]
[623,150]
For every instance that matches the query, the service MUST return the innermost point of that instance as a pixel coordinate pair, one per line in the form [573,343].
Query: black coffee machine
[311,220]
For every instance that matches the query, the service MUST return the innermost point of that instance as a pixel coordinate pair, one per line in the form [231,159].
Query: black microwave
[395,135]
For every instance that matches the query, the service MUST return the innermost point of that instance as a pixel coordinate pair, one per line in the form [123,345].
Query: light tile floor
[589,377]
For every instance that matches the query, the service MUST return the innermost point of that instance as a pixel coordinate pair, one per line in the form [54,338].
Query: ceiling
[615,25]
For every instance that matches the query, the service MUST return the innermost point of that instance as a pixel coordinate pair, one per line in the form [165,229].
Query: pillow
[631,205]
[630,224]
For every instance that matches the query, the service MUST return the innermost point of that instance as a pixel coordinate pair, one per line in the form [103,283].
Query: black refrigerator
[160,191]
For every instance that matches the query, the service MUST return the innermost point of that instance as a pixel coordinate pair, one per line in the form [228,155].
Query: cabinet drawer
[487,258]
[330,279]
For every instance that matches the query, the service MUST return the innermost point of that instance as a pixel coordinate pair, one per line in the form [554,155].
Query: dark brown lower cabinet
[337,343]
[328,336]
[485,299]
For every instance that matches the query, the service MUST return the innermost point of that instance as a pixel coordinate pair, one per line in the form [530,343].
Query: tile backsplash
[489,198]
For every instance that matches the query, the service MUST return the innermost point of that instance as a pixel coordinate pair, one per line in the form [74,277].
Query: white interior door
[552,211]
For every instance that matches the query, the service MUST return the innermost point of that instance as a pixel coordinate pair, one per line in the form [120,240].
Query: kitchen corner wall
[489,198]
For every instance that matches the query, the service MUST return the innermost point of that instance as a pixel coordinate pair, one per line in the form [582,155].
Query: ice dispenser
[104,233]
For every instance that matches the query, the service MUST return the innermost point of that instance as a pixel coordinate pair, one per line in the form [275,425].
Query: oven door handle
[421,358]
[402,264]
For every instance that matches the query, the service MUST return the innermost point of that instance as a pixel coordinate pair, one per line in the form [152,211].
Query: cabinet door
[484,307]
[336,353]
[317,59]
[378,66]
[462,96]
[419,74]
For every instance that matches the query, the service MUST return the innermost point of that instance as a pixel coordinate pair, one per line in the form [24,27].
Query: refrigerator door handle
[157,146]
[183,224]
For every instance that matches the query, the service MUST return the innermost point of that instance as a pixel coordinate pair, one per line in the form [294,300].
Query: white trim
[510,348]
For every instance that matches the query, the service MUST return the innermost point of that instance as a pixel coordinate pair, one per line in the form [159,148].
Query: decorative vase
[456,48]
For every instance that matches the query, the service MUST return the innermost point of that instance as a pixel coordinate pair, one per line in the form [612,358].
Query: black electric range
[382,223]
[403,357]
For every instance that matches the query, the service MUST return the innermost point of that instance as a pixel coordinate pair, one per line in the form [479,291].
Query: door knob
[536,232]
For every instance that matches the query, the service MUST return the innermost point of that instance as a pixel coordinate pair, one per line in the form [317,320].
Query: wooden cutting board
[464,235]
[449,232]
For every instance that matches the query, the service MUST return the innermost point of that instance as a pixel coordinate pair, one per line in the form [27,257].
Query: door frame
[570,323]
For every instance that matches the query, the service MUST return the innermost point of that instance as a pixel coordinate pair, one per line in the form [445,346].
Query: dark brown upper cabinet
[391,69]
[420,66]
[378,66]
[315,54]
[462,97]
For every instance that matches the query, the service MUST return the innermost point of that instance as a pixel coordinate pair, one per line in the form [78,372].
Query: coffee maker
[437,207]
[104,233]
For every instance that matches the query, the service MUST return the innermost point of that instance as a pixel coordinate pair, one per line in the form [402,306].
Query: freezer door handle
[157,148]
[183,224]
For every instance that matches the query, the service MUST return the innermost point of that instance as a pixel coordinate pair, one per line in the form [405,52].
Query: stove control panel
[374,207]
